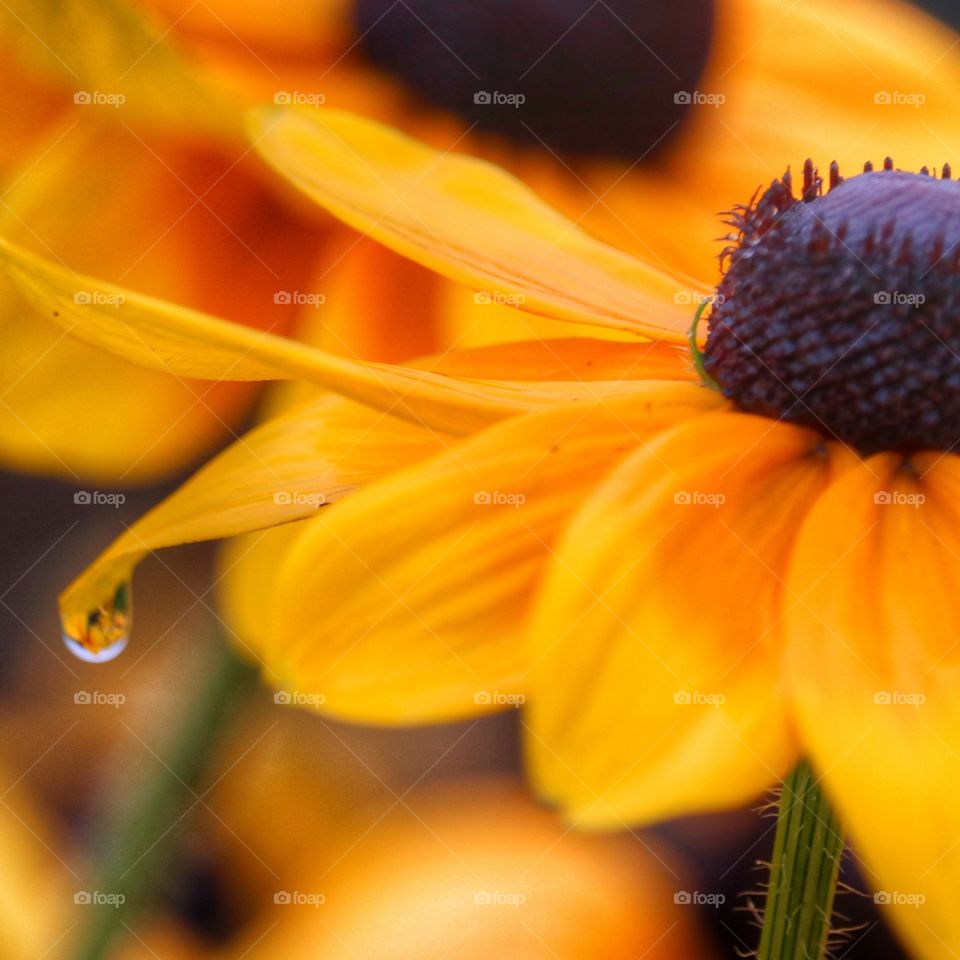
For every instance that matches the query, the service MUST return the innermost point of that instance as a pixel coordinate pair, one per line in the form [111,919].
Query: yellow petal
[282,471]
[468,220]
[163,336]
[656,687]
[874,661]
[406,601]
[112,58]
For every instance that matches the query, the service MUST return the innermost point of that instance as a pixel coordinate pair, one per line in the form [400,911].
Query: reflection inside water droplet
[95,656]
[102,634]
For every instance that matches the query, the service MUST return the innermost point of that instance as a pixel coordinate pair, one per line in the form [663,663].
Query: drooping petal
[406,601]
[187,343]
[872,626]
[656,678]
[468,220]
[282,471]
[108,55]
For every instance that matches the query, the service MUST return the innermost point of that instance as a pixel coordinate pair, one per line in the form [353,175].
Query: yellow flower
[176,208]
[687,596]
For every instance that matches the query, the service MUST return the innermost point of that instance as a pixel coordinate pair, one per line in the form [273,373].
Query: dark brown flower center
[580,77]
[842,310]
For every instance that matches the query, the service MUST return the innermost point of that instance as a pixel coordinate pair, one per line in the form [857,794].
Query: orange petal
[406,601]
[872,624]
[656,687]
[468,220]
[282,471]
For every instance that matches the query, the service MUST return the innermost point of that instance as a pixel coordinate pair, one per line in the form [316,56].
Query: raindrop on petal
[102,634]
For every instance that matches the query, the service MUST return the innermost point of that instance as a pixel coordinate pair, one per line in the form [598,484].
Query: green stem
[803,875]
[139,844]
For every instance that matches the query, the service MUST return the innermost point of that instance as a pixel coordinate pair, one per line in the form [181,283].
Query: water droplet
[95,656]
[102,634]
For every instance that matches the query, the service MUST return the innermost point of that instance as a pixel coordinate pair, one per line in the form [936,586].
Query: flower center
[576,76]
[841,311]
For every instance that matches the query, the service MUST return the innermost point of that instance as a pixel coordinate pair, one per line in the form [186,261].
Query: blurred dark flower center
[841,311]
[578,77]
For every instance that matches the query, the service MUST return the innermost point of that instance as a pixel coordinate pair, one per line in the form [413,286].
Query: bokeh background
[302,836]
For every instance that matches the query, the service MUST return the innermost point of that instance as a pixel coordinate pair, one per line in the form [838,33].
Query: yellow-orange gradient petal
[656,685]
[468,220]
[406,601]
[186,343]
[282,471]
[874,638]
